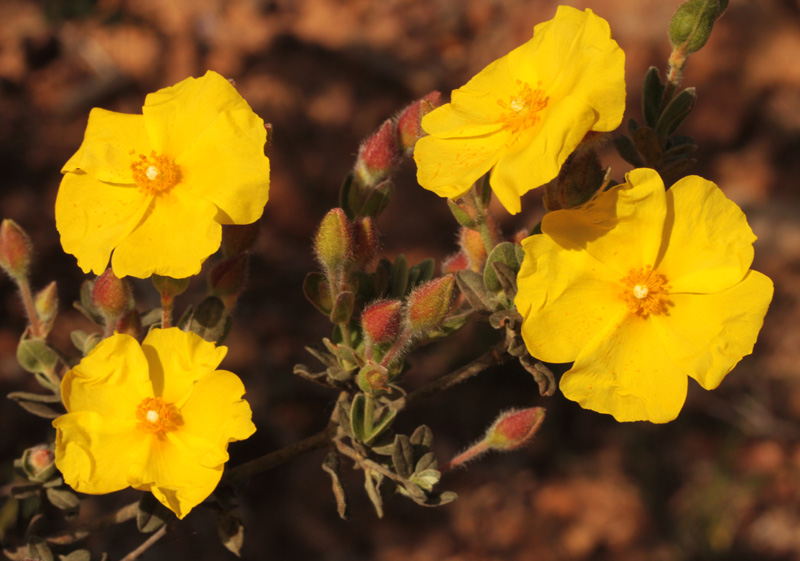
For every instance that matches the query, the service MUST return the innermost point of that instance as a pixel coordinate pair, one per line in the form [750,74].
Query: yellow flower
[155,188]
[157,417]
[642,288]
[522,115]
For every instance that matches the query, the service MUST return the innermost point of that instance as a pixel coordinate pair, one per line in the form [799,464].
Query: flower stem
[37,329]
[136,553]
[465,456]
[167,304]
[70,536]
[396,349]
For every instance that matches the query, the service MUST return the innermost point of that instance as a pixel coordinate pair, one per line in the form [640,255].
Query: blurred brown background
[721,482]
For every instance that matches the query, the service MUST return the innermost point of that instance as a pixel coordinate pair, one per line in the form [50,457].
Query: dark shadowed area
[720,482]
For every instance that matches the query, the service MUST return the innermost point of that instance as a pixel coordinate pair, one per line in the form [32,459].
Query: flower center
[157,416]
[156,173]
[646,292]
[523,109]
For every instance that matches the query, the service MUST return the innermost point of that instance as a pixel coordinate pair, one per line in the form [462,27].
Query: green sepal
[317,291]
[507,278]
[377,199]
[86,304]
[348,197]
[461,215]
[83,341]
[676,112]
[421,272]
[210,320]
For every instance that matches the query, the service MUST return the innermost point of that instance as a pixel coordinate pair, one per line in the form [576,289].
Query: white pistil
[152,172]
[151,416]
[640,291]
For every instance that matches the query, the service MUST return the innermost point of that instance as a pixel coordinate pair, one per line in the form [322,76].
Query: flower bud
[168,287]
[15,250]
[580,178]
[409,128]
[691,26]
[333,243]
[381,320]
[38,462]
[514,428]
[366,240]
[46,303]
[228,277]
[473,248]
[112,295]
[428,305]
[238,238]
[377,155]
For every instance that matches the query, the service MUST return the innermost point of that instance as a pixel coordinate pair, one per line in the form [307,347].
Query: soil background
[720,482]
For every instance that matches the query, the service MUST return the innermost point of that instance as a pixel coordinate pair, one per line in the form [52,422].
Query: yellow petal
[173,238]
[177,359]
[111,380]
[95,453]
[450,167]
[565,297]
[621,227]
[708,334]
[710,245]
[93,217]
[216,411]
[227,166]
[177,115]
[573,55]
[536,158]
[110,145]
[626,372]
[173,476]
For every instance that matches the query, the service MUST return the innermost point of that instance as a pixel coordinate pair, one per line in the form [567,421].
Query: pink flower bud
[38,462]
[112,295]
[333,243]
[367,242]
[15,250]
[228,277]
[408,123]
[428,305]
[377,155]
[514,428]
[381,320]
[237,238]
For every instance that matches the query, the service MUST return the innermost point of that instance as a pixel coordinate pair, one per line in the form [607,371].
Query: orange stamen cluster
[523,109]
[155,174]
[157,416]
[646,291]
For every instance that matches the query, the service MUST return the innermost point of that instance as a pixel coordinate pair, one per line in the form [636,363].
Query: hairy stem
[69,536]
[37,329]
[146,544]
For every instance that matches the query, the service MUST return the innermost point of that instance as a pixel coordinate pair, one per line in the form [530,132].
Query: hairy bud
[366,240]
[381,321]
[228,277]
[377,155]
[112,295]
[238,238]
[428,305]
[15,250]
[514,428]
[333,243]
[409,121]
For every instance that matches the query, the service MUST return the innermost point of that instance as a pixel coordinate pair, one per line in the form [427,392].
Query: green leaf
[151,514]
[399,277]
[649,145]
[421,272]
[427,461]
[377,199]
[507,253]
[331,466]
[652,92]
[230,530]
[676,112]
[210,320]
[39,409]
[343,307]
[461,215]
[36,356]
[77,555]
[358,417]
[372,490]
[507,278]
[422,436]
[318,292]
[349,197]
[471,286]
[63,499]
[403,456]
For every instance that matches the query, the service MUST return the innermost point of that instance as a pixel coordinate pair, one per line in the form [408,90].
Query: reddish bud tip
[15,250]
[377,155]
[514,428]
[366,240]
[238,238]
[228,277]
[112,295]
[428,305]
[456,262]
[333,243]
[381,320]
[38,462]
[409,121]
